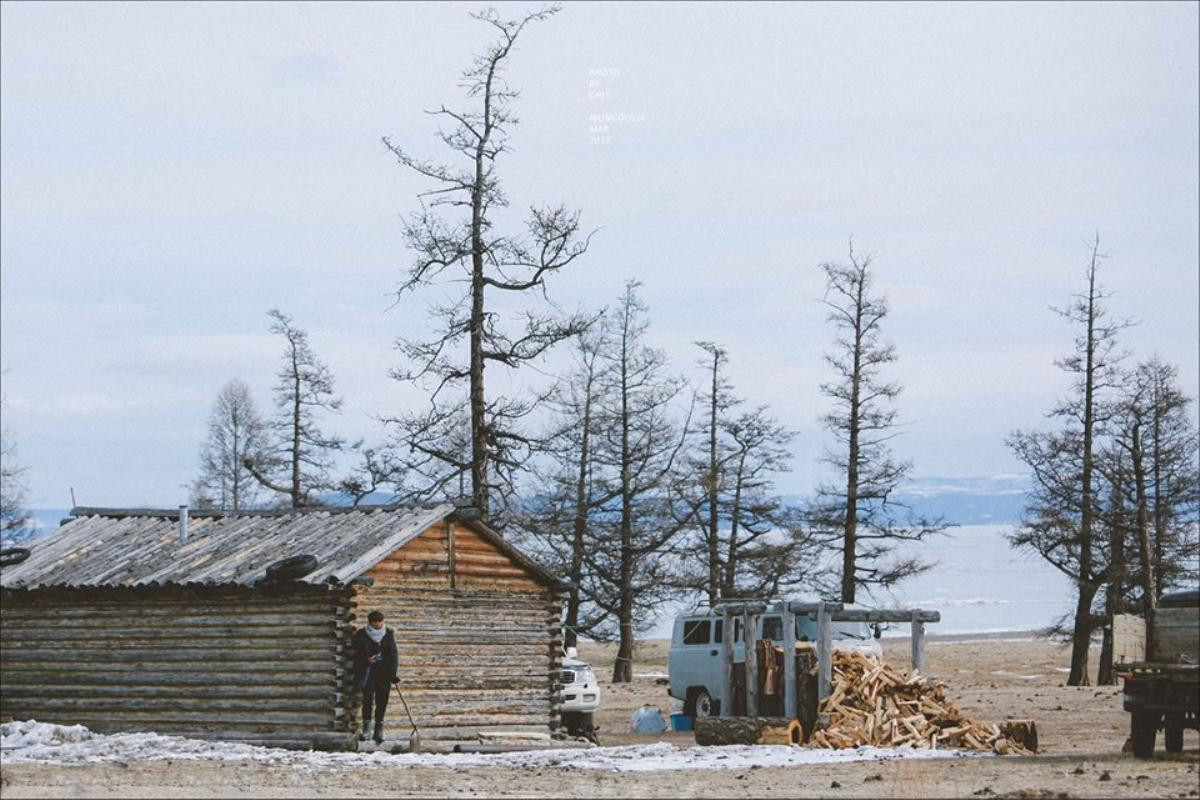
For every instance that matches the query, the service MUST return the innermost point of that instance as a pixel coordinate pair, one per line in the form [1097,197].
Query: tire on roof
[293,568]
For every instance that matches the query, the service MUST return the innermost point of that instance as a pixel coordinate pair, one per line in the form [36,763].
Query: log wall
[255,665]
[479,638]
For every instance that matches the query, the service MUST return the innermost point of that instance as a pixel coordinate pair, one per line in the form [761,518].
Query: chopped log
[747,730]
[871,703]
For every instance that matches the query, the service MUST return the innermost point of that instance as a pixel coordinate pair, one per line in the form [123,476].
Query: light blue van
[694,659]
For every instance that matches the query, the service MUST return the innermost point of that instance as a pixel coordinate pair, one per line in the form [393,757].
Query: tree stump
[747,730]
[1021,731]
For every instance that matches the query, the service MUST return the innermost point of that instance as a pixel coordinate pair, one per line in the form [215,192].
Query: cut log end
[747,730]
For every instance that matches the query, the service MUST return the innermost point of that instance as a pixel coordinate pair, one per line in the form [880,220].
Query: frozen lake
[982,584]
[979,583]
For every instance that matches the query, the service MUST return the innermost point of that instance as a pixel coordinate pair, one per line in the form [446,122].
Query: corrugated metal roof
[139,547]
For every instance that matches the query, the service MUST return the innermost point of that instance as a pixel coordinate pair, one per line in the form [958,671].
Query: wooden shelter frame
[825,614]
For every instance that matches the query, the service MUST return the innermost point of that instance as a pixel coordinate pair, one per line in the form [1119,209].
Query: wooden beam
[810,609]
[450,551]
[741,607]
[824,653]
[918,644]
[885,615]
[749,642]
[727,664]
[791,709]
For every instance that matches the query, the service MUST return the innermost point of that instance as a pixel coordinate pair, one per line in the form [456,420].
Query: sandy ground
[1082,731]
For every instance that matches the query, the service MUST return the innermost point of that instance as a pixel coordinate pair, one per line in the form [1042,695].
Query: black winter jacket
[364,648]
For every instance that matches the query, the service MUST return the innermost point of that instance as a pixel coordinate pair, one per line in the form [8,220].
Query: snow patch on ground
[44,743]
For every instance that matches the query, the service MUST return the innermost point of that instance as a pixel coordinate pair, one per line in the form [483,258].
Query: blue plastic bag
[648,719]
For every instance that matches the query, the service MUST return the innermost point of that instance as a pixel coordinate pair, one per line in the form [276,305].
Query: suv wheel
[701,704]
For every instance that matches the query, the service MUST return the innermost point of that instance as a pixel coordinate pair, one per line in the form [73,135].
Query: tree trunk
[623,665]
[581,519]
[1081,638]
[1105,675]
[735,520]
[1149,594]
[1115,591]
[1156,456]
[235,484]
[714,553]
[297,497]
[850,525]
[479,442]
[747,730]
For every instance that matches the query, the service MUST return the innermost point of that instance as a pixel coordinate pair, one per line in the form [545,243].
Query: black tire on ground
[1173,733]
[700,704]
[578,723]
[291,568]
[1143,728]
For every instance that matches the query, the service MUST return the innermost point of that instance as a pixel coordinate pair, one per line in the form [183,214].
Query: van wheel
[700,704]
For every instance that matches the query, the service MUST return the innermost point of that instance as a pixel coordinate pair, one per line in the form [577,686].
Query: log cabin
[170,621]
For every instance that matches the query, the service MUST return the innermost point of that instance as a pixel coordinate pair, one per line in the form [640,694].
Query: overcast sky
[170,172]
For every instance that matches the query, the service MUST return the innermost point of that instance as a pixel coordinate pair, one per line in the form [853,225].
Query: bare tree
[859,512]
[558,522]
[1110,464]
[749,543]
[1060,514]
[456,239]
[236,432]
[1173,475]
[638,449]
[14,515]
[301,455]
[378,470]
[1154,434]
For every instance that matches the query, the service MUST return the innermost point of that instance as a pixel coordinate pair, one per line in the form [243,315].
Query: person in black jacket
[375,664]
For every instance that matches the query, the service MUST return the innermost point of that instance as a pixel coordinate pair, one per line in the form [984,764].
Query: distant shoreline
[984,636]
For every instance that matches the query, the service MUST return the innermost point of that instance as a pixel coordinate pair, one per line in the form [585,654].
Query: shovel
[414,738]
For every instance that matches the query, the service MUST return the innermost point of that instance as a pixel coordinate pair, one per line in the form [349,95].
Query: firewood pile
[874,704]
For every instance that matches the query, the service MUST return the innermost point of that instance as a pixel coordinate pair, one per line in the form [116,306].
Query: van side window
[695,631]
[772,628]
[719,631]
[737,629]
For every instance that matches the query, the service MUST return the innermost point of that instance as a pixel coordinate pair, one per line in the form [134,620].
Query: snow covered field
[44,743]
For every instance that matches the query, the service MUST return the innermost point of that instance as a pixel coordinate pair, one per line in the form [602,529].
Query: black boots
[378,737]
[366,730]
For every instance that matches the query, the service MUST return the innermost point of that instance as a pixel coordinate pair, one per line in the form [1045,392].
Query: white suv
[580,696]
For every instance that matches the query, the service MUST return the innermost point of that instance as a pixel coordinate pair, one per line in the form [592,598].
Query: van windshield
[806,630]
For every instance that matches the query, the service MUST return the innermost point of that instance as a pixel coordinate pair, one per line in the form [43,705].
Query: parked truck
[1162,687]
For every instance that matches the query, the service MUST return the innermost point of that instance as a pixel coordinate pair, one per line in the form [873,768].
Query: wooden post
[749,642]
[791,709]
[918,644]
[727,664]
[450,553]
[824,653]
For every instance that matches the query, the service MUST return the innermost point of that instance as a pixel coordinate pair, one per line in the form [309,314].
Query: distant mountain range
[996,500]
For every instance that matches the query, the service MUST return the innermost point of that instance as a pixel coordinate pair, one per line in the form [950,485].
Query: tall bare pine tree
[457,241]
[858,511]
[301,455]
[236,432]
[1060,519]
